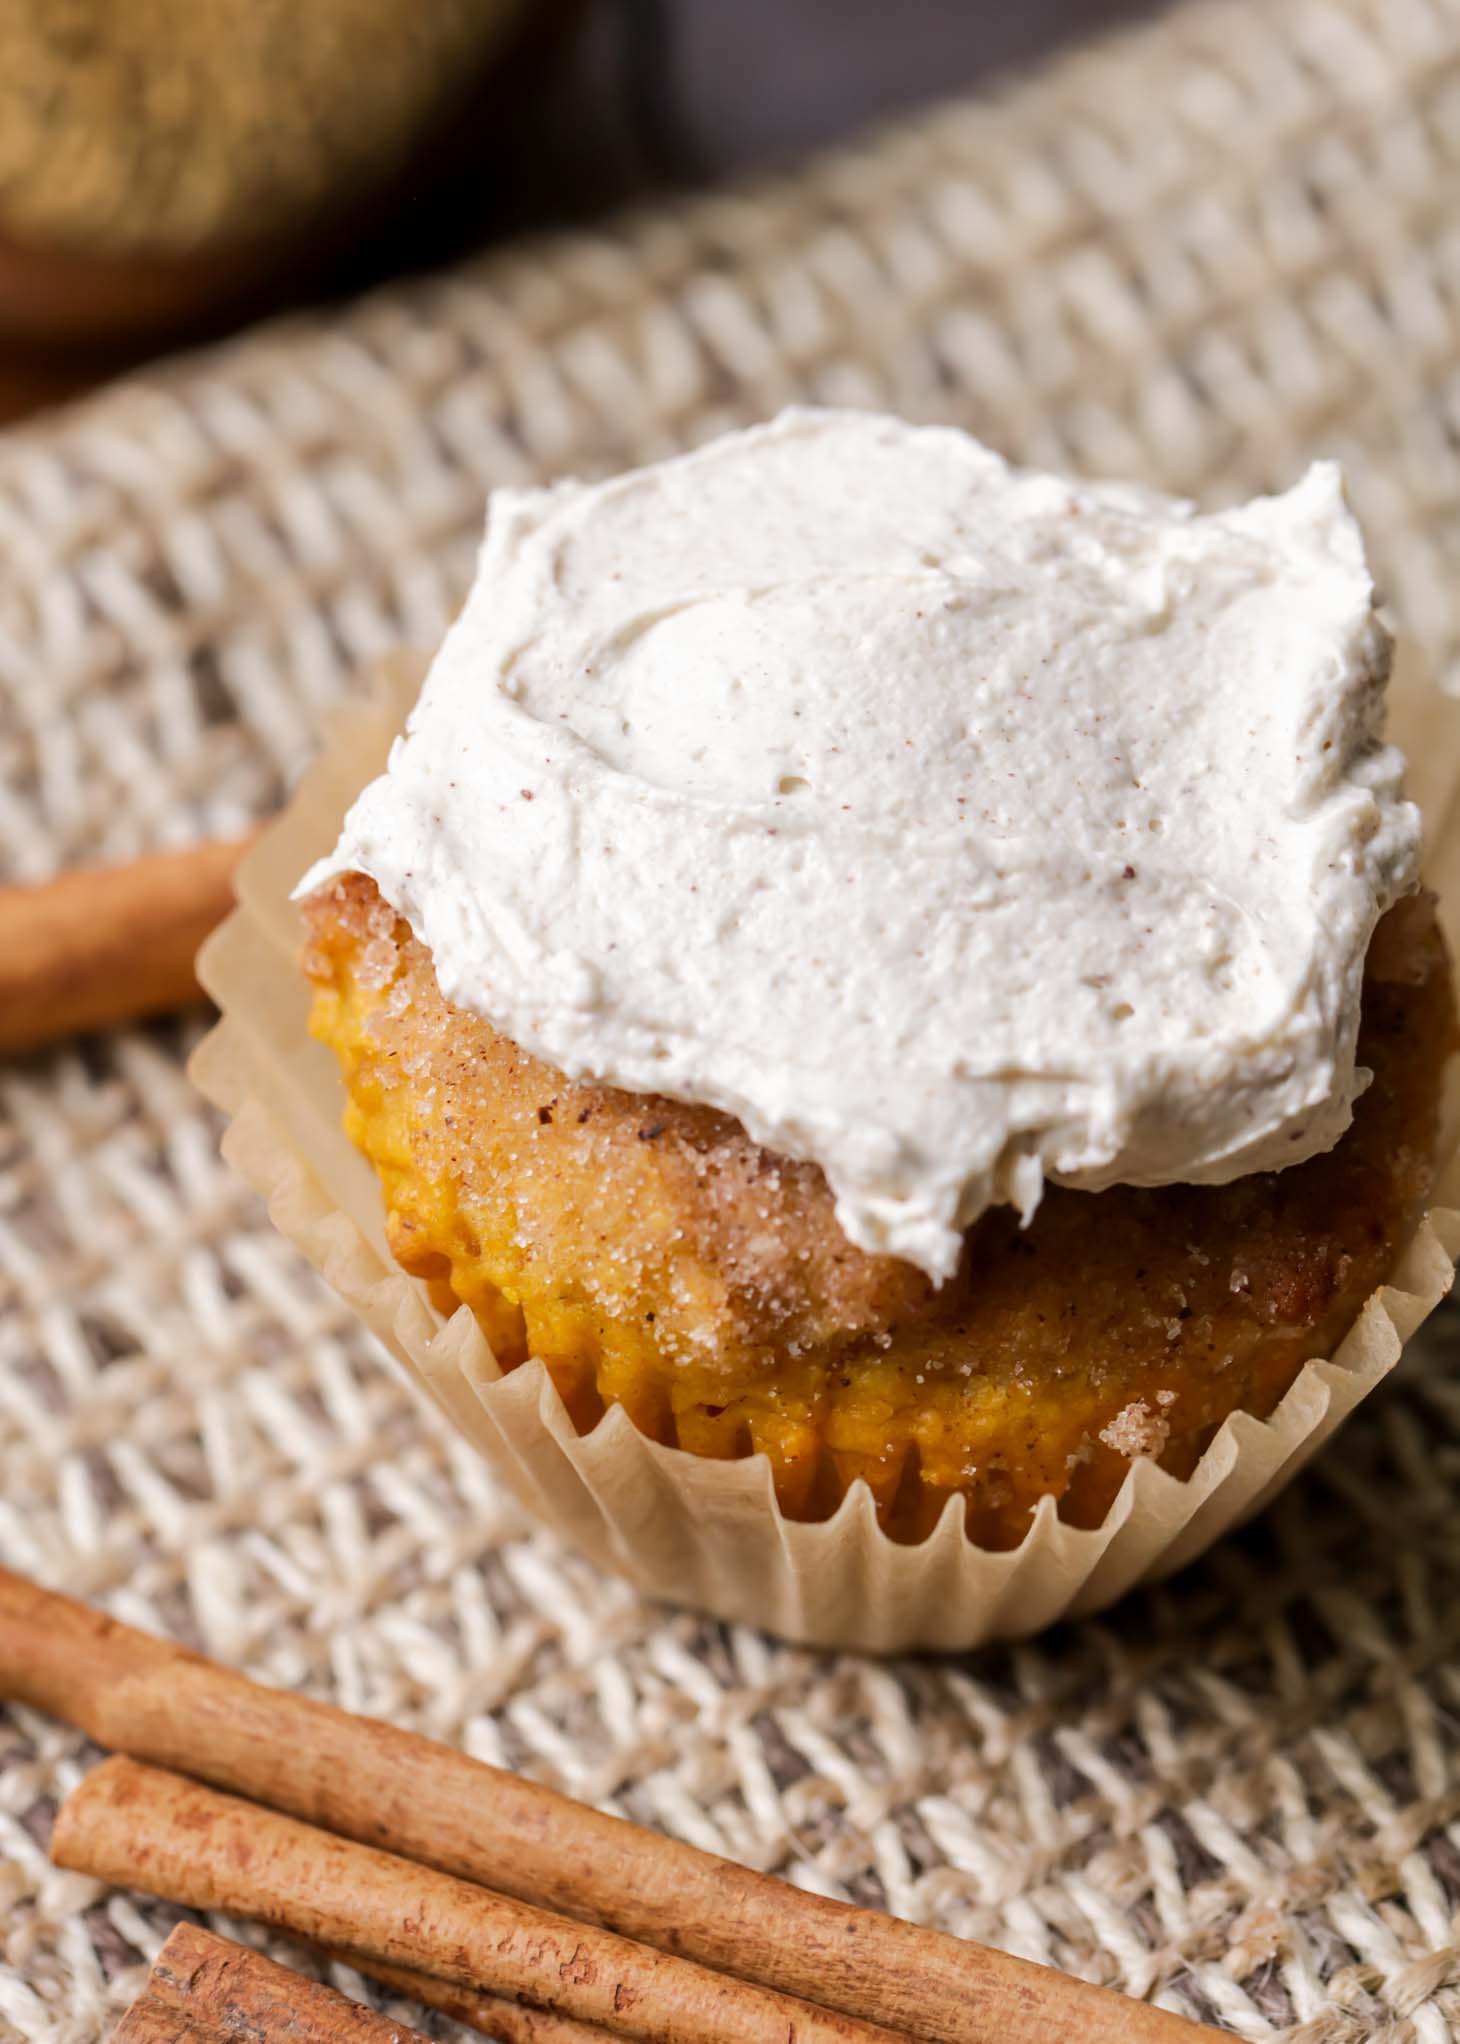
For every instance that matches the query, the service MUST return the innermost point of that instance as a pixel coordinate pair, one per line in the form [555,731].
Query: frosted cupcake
[909,967]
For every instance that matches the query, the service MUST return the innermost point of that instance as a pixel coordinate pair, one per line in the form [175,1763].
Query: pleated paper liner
[711,1533]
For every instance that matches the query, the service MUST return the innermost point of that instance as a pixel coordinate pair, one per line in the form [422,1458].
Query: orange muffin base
[654,1258]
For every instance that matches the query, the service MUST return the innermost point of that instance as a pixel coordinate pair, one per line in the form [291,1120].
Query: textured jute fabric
[1195,255]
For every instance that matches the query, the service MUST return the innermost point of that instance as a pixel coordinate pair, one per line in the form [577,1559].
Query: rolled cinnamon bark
[206,1990]
[207,1987]
[136,1826]
[510,2022]
[108,944]
[384,1786]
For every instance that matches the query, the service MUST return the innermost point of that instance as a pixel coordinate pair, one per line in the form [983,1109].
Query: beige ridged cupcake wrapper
[711,1533]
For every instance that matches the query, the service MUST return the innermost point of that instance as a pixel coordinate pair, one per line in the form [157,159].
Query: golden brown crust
[652,1254]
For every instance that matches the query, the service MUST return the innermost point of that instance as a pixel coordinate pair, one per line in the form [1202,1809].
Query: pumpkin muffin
[915,969]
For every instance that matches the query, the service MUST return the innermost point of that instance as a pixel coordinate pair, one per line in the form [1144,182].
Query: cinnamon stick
[206,1990]
[108,944]
[137,1826]
[206,1987]
[374,1782]
[510,2022]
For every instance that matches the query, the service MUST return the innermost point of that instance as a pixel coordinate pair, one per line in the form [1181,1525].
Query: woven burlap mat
[1195,255]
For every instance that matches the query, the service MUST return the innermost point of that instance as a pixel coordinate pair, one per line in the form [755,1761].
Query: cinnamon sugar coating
[653,1255]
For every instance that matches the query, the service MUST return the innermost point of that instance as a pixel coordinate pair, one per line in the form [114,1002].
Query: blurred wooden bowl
[105,251]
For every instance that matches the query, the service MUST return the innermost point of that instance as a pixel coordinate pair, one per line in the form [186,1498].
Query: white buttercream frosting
[950,825]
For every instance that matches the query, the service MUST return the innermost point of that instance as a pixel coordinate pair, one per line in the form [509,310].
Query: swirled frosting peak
[953,826]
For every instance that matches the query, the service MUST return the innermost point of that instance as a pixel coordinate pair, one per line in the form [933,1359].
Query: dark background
[668,92]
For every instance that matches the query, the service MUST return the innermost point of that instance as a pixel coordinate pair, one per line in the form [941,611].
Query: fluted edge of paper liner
[710,1533]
